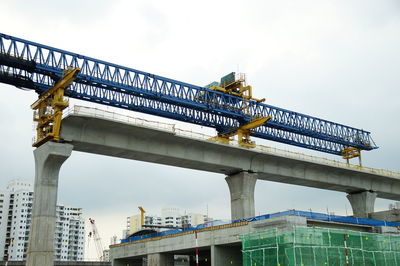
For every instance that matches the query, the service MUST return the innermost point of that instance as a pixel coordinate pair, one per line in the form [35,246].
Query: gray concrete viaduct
[242,168]
[220,245]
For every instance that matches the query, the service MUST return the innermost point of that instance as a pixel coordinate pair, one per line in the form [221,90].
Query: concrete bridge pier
[241,187]
[160,259]
[226,255]
[362,203]
[48,160]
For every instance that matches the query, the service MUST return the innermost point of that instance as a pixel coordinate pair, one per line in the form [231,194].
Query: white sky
[338,60]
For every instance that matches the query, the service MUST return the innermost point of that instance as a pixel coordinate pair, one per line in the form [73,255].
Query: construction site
[291,237]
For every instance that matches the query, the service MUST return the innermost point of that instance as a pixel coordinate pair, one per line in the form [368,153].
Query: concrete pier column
[362,203]
[226,255]
[116,263]
[132,261]
[160,259]
[48,160]
[241,187]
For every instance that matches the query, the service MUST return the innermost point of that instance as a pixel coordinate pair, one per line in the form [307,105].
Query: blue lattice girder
[35,66]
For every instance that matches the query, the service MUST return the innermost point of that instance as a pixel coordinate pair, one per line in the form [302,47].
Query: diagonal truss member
[48,108]
[224,105]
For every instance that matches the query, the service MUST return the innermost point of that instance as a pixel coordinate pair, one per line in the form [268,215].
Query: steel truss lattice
[35,66]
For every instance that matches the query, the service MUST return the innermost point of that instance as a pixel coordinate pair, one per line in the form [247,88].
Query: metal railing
[94,112]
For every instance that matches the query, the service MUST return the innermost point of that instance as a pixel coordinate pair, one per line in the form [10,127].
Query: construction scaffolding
[304,246]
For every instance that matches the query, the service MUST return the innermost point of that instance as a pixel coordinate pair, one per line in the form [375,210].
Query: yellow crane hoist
[48,109]
[235,84]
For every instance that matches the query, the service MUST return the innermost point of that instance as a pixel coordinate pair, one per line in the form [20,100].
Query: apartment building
[15,219]
[170,217]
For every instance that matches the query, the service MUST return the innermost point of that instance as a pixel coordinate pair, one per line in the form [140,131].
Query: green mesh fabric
[318,246]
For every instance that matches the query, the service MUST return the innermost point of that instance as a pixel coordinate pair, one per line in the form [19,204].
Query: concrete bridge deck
[97,132]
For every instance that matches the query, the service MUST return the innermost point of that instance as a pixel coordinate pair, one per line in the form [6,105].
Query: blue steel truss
[35,66]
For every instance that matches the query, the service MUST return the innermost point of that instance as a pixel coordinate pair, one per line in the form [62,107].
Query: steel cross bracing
[35,66]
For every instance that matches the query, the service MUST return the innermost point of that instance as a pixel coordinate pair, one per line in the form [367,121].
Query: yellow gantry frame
[351,152]
[239,89]
[48,109]
[243,133]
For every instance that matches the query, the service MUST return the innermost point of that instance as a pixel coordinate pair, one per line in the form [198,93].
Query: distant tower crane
[142,212]
[94,234]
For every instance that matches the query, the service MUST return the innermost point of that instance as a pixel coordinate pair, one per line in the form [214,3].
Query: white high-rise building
[133,223]
[69,234]
[15,219]
[193,219]
[170,217]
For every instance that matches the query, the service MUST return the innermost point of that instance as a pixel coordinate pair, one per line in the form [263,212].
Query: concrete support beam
[120,139]
[226,255]
[48,160]
[136,261]
[362,203]
[392,215]
[118,263]
[160,259]
[241,187]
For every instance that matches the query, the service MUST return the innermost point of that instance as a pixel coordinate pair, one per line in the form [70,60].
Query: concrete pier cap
[362,203]
[48,160]
[241,187]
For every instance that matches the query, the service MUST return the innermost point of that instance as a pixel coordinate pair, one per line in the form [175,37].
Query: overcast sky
[337,60]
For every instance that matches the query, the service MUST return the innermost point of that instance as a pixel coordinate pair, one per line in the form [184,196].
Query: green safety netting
[319,246]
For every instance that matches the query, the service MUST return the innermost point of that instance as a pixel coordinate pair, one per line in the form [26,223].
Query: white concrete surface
[362,203]
[124,140]
[48,160]
[241,188]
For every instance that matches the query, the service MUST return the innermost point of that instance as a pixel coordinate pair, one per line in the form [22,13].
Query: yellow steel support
[244,139]
[48,109]
[142,212]
[242,89]
[255,123]
[220,139]
[239,88]
[351,152]
[243,133]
